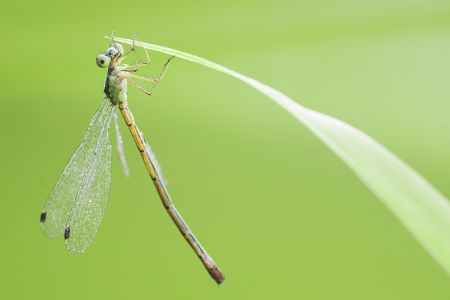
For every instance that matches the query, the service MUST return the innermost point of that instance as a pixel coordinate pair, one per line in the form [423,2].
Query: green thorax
[116,85]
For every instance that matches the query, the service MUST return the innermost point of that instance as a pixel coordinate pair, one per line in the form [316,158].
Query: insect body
[76,206]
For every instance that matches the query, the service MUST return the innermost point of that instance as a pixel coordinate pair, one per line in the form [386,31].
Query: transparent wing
[90,201]
[61,202]
[155,161]
[120,150]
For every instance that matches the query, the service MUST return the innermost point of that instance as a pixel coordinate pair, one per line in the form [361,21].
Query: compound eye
[102,60]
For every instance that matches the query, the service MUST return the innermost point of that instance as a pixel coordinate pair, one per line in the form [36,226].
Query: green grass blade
[418,205]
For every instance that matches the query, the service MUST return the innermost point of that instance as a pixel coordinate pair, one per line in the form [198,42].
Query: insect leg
[154,80]
[148,92]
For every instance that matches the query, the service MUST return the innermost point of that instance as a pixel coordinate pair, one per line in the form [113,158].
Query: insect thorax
[116,86]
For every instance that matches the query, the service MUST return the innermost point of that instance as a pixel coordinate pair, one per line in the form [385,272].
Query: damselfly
[76,205]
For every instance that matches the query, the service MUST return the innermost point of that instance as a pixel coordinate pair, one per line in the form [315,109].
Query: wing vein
[90,201]
[62,199]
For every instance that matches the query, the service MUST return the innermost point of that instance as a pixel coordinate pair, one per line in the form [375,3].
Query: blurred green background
[276,209]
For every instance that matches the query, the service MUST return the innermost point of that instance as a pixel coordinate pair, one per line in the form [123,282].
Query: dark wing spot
[66,233]
[43,216]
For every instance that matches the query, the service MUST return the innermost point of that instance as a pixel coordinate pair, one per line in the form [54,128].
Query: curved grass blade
[61,202]
[417,204]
